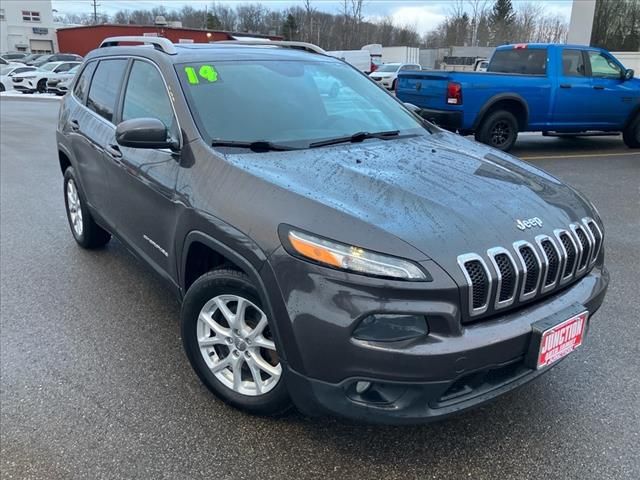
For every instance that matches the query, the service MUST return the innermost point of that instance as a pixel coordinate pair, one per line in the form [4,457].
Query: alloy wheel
[236,344]
[500,133]
[75,208]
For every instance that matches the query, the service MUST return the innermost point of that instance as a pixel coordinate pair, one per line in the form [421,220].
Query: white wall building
[27,26]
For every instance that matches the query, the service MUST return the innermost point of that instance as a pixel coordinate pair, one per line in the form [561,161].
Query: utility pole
[95,10]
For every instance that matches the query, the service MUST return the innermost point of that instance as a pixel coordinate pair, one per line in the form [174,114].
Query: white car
[387,73]
[8,71]
[36,81]
[58,83]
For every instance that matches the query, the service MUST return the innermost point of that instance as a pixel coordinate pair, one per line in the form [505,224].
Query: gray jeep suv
[331,249]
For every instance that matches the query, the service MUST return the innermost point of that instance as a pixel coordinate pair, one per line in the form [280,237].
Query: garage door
[41,46]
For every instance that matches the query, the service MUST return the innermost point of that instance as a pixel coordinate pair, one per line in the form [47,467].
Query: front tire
[631,134]
[498,130]
[86,232]
[42,86]
[228,339]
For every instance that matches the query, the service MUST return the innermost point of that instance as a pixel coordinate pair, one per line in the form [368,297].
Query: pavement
[94,383]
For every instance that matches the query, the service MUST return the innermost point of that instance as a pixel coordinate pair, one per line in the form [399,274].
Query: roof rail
[159,43]
[309,47]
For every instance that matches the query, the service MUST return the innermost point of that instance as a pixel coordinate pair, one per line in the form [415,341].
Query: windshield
[388,67]
[74,70]
[48,66]
[6,70]
[289,102]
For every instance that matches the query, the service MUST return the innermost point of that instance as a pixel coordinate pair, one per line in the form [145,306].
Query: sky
[424,15]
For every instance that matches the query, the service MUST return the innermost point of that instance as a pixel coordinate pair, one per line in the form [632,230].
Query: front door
[613,98]
[143,180]
[572,108]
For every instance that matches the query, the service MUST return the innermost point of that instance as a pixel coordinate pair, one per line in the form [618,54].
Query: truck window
[603,66]
[573,63]
[524,61]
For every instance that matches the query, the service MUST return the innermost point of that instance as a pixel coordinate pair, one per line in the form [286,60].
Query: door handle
[565,85]
[598,87]
[114,151]
[75,126]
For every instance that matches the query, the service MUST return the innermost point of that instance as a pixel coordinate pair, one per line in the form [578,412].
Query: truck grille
[524,271]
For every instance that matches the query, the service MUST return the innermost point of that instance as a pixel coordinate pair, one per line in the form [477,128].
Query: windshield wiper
[257,146]
[355,138]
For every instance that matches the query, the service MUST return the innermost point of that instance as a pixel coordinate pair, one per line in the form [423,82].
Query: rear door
[91,126]
[573,93]
[612,97]
[143,180]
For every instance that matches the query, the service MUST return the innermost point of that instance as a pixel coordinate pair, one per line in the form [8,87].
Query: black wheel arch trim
[498,98]
[632,116]
[252,271]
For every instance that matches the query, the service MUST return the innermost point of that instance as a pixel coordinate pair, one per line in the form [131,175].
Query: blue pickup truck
[531,87]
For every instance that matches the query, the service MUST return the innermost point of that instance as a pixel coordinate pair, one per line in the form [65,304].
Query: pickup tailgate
[424,89]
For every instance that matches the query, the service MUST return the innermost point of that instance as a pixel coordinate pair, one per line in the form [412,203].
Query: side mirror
[144,133]
[412,107]
[628,74]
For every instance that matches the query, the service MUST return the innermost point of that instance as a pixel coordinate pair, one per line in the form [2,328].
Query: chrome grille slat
[531,273]
[464,261]
[526,270]
[494,255]
[551,263]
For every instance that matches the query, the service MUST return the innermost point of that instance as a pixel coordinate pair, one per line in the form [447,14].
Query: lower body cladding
[425,363]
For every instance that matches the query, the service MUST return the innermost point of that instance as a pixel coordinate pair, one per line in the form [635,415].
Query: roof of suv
[201,52]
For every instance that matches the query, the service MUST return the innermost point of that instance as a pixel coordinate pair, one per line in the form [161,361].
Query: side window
[63,67]
[82,85]
[573,63]
[603,67]
[146,95]
[105,87]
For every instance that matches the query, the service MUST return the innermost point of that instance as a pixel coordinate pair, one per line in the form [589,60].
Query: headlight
[354,259]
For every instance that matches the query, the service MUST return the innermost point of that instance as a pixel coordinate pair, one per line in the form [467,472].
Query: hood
[441,193]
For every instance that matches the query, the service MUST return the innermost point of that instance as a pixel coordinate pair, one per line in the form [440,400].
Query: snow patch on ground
[39,96]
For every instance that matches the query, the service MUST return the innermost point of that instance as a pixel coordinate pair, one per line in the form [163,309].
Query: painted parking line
[583,155]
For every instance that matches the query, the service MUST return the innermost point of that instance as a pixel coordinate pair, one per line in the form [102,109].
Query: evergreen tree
[289,28]
[502,21]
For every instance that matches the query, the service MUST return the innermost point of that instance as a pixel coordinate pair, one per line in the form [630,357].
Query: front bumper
[453,368]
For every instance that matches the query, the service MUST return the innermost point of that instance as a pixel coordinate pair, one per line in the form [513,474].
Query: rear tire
[233,353]
[631,134]
[86,232]
[499,130]
[2,89]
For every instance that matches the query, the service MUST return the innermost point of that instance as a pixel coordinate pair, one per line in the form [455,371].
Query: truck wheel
[631,134]
[498,130]
[228,339]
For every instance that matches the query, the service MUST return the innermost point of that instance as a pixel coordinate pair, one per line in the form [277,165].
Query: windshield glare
[49,66]
[288,102]
[388,67]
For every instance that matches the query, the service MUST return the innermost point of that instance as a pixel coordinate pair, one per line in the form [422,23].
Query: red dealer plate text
[562,339]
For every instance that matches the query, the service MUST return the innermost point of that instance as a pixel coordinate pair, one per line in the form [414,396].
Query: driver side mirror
[628,74]
[144,133]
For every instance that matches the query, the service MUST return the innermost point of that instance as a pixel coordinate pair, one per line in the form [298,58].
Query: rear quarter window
[82,85]
[522,61]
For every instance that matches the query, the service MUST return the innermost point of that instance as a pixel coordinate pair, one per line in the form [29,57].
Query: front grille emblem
[529,223]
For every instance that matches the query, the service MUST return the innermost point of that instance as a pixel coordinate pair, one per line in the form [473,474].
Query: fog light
[391,328]
[362,387]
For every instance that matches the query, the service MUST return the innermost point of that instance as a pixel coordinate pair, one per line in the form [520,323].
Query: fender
[238,259]
[497,98]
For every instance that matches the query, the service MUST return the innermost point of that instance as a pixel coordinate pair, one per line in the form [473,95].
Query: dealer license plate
[560,340]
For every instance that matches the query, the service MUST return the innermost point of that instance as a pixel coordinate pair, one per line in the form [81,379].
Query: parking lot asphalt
[94,383]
